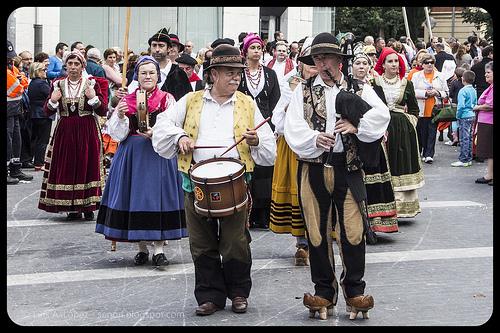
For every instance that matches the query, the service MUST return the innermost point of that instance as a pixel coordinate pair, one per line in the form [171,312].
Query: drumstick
[243,138]
[208,147]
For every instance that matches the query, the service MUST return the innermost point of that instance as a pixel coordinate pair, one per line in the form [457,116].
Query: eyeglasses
[371,54]
[428,62]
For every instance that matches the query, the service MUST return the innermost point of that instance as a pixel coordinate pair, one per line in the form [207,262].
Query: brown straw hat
[227,56]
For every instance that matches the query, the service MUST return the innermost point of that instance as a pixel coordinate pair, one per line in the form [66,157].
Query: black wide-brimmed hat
[186,59]
[227,56]
[175,40]
[220,41]
[323,43]
[161,36]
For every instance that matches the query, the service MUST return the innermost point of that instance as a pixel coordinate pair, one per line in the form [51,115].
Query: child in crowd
[455,87]
[467,100]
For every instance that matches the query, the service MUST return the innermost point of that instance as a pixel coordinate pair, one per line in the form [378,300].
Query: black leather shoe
[160,260]
[240,304]
[483,180]
[141,258]
[89,216]
[206,309]
[27,165]
[73,216]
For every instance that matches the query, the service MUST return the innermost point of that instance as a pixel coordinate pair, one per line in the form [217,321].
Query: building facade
[41,28]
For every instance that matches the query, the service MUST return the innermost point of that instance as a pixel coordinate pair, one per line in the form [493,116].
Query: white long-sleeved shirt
[215,129]
[302,139]
[118,128]
[279,112]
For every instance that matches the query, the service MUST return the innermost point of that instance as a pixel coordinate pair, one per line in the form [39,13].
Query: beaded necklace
[254,79]
[392,81]
[73,89]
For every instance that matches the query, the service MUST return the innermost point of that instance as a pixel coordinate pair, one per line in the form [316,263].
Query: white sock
[158,246]
[143,247]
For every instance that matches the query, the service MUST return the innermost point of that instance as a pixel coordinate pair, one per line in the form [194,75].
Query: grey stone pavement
[436,271]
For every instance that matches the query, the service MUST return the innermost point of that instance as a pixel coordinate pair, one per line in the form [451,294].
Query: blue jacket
[95,69]
[467,100]
[55,66]
[38,92]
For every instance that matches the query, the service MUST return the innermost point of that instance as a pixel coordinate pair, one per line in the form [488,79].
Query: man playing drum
[218,115]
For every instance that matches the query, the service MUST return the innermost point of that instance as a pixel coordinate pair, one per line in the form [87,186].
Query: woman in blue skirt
[143,199]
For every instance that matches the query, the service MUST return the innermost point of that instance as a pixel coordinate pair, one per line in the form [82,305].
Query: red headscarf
[385,52]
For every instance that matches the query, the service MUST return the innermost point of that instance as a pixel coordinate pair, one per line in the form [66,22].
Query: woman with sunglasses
[430,88]
[402,146]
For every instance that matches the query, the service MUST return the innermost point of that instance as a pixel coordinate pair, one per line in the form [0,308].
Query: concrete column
[272,28]
[296,23]
[239,19]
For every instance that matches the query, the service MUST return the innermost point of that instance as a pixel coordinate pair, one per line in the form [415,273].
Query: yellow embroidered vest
[243,118]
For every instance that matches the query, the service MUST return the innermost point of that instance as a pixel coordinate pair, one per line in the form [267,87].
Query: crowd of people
[331,143]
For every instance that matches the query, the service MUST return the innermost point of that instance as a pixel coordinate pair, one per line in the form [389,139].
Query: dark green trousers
[221,255]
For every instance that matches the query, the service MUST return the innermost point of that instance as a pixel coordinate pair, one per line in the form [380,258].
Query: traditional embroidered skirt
[74,174]
[380,196]
[143,198]
[286,216]
[404,163]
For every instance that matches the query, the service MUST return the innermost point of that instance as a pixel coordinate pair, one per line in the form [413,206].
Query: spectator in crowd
[430,89]
[119,58]
[94,60]
[87,48]
[445,62]
[484,109]
[455,87]
[379,45]
[43,58]
[38,91]
[26,60]
[474,51]
[369,40]
[188,49]
[17,83]
[479,69]
[418,67]
[432,47]
[294,51]
[78,46]
[56,62]
[467,100]
[112,74]
[461,56]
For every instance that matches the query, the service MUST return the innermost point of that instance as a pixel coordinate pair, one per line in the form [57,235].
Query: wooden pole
[407,28]
[125,50]
[428,22]
[243,138]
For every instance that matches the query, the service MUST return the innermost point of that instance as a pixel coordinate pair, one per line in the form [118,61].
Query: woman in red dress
[74,175]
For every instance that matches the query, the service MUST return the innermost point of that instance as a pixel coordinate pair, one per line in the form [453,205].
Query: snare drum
[219,187]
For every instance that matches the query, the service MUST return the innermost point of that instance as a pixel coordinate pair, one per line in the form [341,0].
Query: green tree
[479,17]
[386,22]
